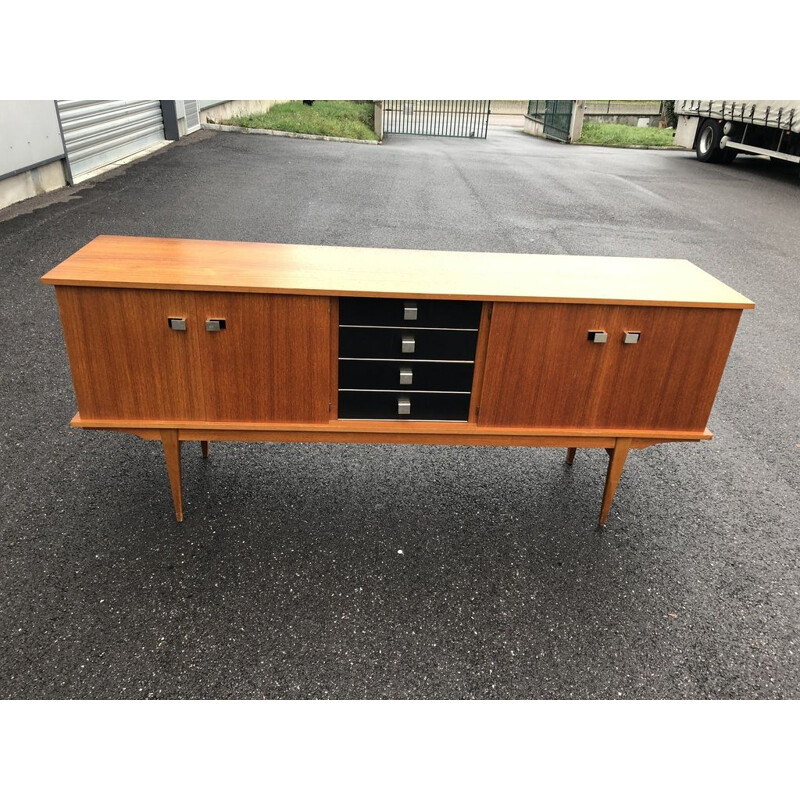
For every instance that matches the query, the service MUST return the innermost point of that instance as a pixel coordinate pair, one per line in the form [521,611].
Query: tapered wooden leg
[616,461]
[204,448]
[571,454]
[172,453]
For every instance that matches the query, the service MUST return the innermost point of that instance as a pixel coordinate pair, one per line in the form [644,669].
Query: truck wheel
[728,154]
[707,147]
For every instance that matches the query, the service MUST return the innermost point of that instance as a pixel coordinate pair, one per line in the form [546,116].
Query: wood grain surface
[480,361]
[303,269]
[343,428]
[542,371]
[333,395]
[272,361]
[126,362]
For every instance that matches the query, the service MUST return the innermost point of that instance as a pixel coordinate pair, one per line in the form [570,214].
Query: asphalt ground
[344,571]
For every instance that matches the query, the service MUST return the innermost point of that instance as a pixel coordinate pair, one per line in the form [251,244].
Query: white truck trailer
[718,130]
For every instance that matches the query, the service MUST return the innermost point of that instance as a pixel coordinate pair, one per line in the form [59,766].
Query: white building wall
[31,150]
[29,135]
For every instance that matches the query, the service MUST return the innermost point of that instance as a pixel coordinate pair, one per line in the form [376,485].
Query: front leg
[571,454]
[616,461]
[172,454]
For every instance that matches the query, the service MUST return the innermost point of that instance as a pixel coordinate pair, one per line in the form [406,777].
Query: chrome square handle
[409,310]
[177,323]
[406,376]
[408,344]
[214,325]
[403,406]
[598,337]
[632,337]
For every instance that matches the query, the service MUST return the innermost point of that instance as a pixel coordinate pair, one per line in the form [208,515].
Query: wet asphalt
[343,571]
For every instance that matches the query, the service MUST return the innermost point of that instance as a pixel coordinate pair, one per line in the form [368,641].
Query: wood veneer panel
[462,430]
[371,272]
[669,380]
[542,371]
[126,362]
[333,378]
[367,437]
[272,361]
[480,360]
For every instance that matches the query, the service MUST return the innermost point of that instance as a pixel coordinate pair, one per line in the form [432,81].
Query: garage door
[99,132]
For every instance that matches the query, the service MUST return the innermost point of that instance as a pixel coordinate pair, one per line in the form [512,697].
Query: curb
[288,134]
[633,146]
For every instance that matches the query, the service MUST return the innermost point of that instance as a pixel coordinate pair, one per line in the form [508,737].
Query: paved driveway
[286,579]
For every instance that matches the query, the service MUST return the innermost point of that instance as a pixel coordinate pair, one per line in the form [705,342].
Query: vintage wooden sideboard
[187,340]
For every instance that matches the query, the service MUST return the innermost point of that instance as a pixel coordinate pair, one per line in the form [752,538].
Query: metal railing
[536,109]
[555,117]
[463,118]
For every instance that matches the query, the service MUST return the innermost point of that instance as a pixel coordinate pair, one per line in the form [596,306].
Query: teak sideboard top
[191,264]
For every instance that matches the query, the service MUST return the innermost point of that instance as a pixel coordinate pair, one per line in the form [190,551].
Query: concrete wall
[625,119]
[576,126]
[632,108]
[594,109]
[532,127]
[31,183]
[236,108]
[508,106]
[379,119]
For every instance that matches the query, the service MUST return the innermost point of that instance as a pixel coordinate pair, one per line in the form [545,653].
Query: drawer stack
[406,359]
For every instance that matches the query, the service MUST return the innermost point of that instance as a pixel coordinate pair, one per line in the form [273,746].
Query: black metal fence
[554,115]
[462,118]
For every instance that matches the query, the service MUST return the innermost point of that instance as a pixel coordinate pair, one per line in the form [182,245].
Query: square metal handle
[409,310]
[406,376]
[403,406]
[177,323]
[632,337]
[408,344]
[214,325]
[598,337]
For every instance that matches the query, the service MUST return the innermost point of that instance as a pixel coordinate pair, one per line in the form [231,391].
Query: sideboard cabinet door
[270,359]
[544,370]
[127,363]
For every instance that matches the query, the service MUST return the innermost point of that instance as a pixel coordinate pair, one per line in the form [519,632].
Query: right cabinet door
[543,370]
[267,360]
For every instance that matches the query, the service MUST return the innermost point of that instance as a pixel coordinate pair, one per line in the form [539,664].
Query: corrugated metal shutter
[192,110]
[99,132]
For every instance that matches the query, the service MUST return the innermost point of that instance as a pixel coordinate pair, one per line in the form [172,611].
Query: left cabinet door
[127,363]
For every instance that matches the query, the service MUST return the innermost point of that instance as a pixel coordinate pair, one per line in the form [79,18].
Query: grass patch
[625,135]
[342,118]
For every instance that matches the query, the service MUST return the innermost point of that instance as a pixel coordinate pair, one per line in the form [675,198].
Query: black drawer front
[384,405]
[423,375]
[391,312]
[388,343]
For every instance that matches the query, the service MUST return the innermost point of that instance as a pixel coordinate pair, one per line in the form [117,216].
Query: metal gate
[99,132]
[465,118]
[555,116]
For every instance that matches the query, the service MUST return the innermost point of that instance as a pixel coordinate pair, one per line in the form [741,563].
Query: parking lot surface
[344,571]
